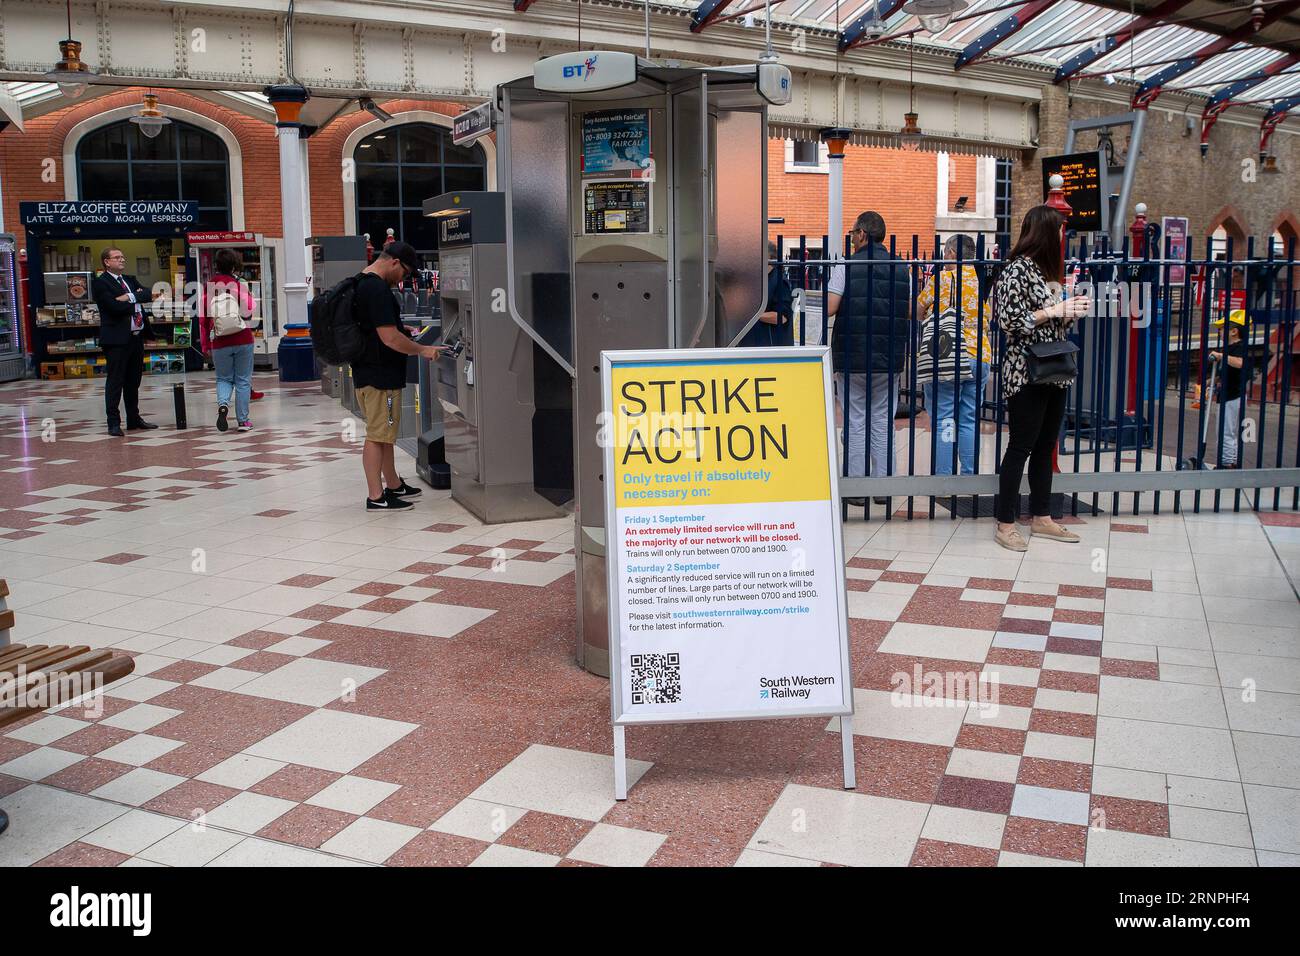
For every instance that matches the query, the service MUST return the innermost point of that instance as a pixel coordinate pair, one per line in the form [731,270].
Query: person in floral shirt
[953,401]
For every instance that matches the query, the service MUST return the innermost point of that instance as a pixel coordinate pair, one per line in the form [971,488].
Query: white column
[288,98]
[835,207]
[295,235]
[305,166]
[836,139]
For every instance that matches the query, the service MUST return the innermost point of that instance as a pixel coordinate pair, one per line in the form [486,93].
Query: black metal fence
[920,401]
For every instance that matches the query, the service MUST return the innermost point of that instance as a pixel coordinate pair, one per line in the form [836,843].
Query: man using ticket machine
[380,373]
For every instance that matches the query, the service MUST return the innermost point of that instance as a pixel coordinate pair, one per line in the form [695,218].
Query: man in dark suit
[123,328]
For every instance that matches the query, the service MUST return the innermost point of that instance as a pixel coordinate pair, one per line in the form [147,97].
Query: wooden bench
[34,678]
[6,616]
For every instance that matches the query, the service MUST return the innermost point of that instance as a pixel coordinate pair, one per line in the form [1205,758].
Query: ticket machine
[636,218]
[487,381]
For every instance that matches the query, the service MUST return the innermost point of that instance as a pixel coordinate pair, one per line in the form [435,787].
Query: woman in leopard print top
[1027,311]
[1021,291]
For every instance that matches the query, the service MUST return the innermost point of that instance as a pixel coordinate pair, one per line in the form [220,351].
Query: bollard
[178,395]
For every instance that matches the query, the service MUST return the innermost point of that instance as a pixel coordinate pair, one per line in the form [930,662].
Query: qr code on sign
[656,678]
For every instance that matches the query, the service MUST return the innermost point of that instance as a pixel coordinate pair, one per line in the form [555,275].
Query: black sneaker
[222,424]
[404,490]
[388,502]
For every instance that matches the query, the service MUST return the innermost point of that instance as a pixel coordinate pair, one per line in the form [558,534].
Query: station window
[398,168]
[1002,206]
[117,162]
[805,153]
[806,157]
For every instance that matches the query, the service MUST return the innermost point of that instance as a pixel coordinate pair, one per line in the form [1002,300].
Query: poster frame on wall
[619,717]
[1177,246]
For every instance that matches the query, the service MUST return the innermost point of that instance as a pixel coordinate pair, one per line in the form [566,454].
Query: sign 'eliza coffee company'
[124,213]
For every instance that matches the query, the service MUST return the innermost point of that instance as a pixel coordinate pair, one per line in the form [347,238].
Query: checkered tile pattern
[318,685]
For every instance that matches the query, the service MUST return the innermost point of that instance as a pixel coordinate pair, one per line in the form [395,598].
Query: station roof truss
[1219,50]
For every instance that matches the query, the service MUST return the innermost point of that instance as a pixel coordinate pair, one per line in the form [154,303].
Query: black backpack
[336,335]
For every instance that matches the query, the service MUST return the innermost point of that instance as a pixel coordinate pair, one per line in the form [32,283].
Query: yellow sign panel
[722,432]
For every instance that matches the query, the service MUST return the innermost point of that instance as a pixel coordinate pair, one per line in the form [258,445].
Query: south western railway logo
[796,686]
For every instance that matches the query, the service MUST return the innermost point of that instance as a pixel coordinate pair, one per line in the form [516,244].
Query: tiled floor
[318,685]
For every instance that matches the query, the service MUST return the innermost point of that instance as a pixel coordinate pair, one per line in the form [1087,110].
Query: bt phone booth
[259,264]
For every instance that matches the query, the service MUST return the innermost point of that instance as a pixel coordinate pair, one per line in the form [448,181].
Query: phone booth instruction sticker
[615,207]
[725,561]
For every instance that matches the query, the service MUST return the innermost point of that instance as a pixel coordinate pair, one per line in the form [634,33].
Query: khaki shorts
[382,408]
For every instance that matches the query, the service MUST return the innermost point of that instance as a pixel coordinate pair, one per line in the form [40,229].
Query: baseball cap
[405,253]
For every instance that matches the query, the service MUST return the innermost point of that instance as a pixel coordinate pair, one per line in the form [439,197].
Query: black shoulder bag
[1051,363]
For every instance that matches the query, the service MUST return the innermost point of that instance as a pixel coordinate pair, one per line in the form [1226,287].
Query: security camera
[1109,79]
[749,21]
[374,109]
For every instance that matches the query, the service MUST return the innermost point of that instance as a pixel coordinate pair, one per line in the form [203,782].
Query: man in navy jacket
[123,328]
[870,298]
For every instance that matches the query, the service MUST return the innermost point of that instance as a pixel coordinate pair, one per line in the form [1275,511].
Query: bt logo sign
[584,70]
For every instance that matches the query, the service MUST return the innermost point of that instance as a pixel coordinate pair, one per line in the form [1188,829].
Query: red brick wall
[899,185]
[22,155]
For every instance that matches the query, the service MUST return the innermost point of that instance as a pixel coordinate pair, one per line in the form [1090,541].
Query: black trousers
[125,369]
[1034,419]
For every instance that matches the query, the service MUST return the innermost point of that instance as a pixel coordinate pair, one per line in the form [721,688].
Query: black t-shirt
[376,306]
[1232,376]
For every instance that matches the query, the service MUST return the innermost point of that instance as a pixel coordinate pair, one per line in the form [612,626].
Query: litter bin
[297,358]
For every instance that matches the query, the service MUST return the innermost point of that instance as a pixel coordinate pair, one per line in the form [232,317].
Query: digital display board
[1085,188]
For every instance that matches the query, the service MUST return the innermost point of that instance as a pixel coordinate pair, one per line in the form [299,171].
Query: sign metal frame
[619,719]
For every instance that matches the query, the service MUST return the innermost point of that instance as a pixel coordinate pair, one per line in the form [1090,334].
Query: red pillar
[1137,249]
[1056,199]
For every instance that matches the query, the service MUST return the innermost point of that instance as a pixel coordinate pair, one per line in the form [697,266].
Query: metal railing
[1144,426]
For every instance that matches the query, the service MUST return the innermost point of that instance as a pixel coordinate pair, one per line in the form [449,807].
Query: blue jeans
[234,366]
[960,422]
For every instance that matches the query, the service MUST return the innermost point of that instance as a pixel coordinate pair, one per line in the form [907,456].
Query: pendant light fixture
[934,14]
[72,75]
[875,27]
[909,137]
[150,119]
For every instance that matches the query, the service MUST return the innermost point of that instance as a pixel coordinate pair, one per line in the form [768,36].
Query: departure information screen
[622,207]
[1083,188]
